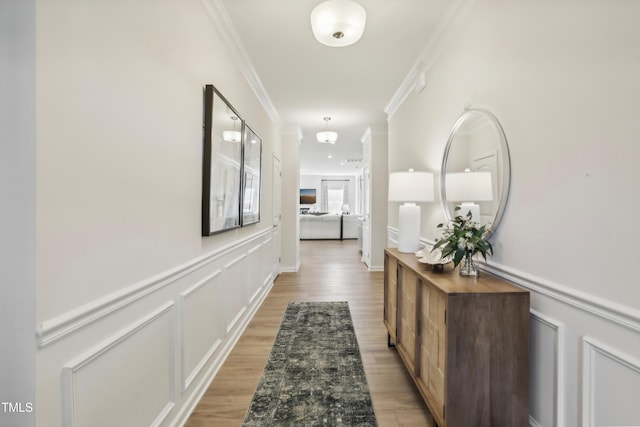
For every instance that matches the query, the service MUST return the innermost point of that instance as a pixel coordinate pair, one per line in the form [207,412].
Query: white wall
[128,293]
[290,202]
[562,80]
[17,212]
[378,160]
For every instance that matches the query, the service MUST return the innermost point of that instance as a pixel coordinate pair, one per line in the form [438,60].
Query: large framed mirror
[476,169]
[251,174]
[222,164]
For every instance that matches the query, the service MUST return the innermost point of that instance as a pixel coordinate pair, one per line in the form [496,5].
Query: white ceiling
[307,81]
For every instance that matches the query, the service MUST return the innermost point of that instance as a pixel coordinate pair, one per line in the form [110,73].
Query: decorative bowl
[434,257]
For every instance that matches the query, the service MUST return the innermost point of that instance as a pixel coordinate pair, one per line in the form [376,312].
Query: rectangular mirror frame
[251,176]
[221,165]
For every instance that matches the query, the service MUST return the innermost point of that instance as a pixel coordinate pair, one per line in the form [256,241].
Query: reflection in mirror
[252,161]
[475,170]
[221,164]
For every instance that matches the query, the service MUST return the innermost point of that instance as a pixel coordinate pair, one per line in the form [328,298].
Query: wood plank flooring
[330,271]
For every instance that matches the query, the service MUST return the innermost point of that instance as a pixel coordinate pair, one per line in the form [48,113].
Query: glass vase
[469,266]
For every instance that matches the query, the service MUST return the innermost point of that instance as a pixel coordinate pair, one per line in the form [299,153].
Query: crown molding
[295,131]
[366,135]
[231,39]
[379,129]
[373,130]
[416,78]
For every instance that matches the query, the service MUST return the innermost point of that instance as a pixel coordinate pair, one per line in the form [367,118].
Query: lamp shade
[411,187]
[468,186]
[338,23]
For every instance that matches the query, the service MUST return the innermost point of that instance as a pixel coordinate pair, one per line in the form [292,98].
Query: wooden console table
[464,341]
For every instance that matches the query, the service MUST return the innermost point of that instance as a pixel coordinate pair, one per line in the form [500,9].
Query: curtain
[324,196]
[345,196]
[333,184]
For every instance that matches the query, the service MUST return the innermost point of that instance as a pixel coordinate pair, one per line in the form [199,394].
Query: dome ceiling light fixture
[327,137]
[338,23]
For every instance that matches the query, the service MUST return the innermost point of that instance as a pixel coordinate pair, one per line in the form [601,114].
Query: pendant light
[327,137]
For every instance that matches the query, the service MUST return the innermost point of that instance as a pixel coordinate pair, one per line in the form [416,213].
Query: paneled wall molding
[223,351]
[71,370]
[605,309]
[590,350]
[229,35]
[613,312]
[256,248]
[559,357]
[58,327]
[188,377]
[234,261]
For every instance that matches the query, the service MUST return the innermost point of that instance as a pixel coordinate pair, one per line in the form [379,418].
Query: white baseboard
[230,341]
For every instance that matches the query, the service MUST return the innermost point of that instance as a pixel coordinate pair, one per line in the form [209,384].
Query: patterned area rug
[314,374]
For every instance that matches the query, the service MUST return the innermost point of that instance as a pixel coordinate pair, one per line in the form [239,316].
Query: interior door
[488,163]
[366,216]
[277,213]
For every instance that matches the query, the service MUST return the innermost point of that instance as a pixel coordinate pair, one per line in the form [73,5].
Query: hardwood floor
[330,271]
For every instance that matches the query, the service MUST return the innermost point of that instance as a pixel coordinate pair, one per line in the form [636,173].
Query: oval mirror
[476,169]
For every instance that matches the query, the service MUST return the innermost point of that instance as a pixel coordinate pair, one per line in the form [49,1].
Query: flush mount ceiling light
[327,137]
[232,135]
[338,23]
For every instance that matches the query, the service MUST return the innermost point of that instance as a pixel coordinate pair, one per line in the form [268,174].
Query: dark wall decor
[231,167]
[222,164]
[251,174]
[307,196]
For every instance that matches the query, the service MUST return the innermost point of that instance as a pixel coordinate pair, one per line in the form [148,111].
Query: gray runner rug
[314,374]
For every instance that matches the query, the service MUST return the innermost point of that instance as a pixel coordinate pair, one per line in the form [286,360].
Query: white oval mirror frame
[463,130]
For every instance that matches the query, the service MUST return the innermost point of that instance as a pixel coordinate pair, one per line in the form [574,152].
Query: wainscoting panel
[611,386]
[234,290]
[126,381]
[201,325]
[546,376]
[276,241]
[269,261]
[255,267]
[144,355]
[576,381]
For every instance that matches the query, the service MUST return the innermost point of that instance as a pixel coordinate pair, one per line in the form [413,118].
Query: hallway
[330,271]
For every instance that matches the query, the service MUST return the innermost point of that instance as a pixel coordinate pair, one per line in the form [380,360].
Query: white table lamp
[469,187]
[410,187]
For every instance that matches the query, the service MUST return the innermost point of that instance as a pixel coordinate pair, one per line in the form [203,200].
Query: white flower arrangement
[463,240]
